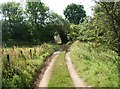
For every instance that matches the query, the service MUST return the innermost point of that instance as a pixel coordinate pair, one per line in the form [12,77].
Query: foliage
[21,70]
[97,65]
[56,24]
[109,21]
[12,26]
[75,13]
[103,28]
[36,13]
[83,32]
[36,23]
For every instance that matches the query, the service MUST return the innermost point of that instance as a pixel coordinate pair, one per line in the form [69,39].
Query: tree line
[103,28]
[34,23]
[37,23]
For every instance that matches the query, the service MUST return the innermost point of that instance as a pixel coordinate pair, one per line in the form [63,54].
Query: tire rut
[78,82]
[45,75]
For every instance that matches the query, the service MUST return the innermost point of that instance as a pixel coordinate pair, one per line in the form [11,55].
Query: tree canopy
[35,24]
[75,13]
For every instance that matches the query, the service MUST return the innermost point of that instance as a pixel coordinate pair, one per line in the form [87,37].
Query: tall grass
[23,66]
[97,65]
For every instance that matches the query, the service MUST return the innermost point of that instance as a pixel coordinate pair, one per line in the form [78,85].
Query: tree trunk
[63,36]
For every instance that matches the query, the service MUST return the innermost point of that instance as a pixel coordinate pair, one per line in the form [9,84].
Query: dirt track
[47,74]
[78,82]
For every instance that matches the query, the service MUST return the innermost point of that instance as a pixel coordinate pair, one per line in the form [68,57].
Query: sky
[59,5]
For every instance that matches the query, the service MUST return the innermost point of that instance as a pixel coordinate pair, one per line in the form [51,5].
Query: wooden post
[8,60]
[23,56]
[30,53]
[34,53]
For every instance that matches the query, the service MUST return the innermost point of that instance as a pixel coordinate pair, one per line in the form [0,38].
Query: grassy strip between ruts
[60,75]
[97,66]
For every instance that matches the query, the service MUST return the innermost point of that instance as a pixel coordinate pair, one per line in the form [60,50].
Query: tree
[35,24]
[57,24]
[75,13]
[37,14]
[12,17]
[109,17]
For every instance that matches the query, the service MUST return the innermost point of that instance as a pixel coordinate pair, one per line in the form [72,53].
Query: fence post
[30,53]
[23,56]
[34,53]
[8,60]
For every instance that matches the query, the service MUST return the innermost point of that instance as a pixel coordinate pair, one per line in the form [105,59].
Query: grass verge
[60,76]
[21,70]
[97,66]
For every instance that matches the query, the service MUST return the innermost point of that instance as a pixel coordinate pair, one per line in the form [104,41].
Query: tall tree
[109,16]
[12,17]
[75,13]
[36,13]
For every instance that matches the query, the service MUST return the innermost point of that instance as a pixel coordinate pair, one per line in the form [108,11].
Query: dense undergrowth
[97,65]
[21,68]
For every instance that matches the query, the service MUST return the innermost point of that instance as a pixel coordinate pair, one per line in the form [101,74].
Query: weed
[97,66]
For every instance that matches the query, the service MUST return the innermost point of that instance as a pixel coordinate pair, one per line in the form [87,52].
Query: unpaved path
[47,74]
[78,82]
